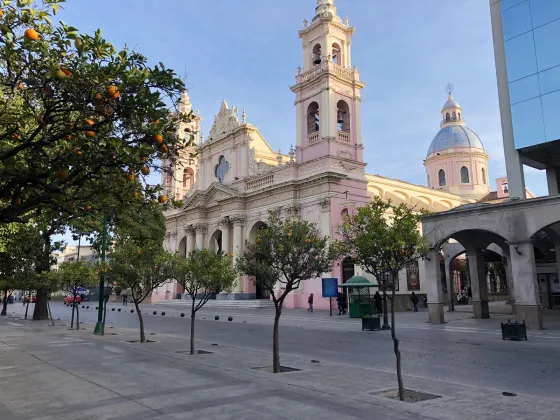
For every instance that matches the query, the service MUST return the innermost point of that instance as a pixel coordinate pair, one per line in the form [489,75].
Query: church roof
[454,136]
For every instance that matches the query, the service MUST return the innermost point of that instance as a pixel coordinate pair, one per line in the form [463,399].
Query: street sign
[330,287]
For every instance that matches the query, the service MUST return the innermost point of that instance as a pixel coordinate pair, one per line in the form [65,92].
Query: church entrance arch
[216,242]
[182,249]
[260,291]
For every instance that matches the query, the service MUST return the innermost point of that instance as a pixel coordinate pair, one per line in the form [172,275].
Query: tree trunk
[141,321]
[77,317]
[26,307]
[72,318]
[275,347]
[50,313]
[396,347]
[41,312]
[105,302]
[193,313]
[5,303]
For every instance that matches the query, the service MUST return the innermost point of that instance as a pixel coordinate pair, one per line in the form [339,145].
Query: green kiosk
[359,297]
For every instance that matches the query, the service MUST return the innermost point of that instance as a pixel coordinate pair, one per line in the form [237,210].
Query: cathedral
[235,177]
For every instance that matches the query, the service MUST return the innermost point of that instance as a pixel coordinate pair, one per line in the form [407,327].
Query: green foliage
[78,118]
[287,251]
[204,274]
[73,275]
[20,248]
[383,238]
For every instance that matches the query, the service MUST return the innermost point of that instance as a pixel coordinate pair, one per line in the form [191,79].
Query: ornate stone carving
[319,166]
[348,168]
[225,122]
[189,229]
[224,222]
[238,219]
[174,233]
[200,227]
[257,168]
[324,203]
[283,175]
[345,153]
[293,210]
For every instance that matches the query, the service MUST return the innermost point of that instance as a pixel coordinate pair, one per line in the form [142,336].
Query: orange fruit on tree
[158,138]
[163,148]
[289,234]
[139,251]
[136,194]
[162,199]
[1,13]
[20,86]
[66,72]
[145,170]
[16,136]
[308,241]
[99,96]
[90,122]
[60,75]
[90,133]
[143,158]
[113,92]
[68,137]
[88,208]
[131,177]
[62,174]
[31,34]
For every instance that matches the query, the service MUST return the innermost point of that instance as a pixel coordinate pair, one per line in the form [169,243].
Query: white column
[200,230]
[244,155]
[479,285]
[449,280]
[527,298]
[552,177]
[226,236]
[433,286]
[190,240]
[238,223]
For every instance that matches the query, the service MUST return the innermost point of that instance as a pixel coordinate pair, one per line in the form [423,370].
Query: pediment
[212,195]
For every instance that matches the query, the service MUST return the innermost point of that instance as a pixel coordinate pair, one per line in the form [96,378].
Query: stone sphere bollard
[83,306]
[230,318]
[113,309]
[119,309]
[97,308]
[182,315]
[216,317]
[163,314]
[132,311]
[155,312]
[87,307]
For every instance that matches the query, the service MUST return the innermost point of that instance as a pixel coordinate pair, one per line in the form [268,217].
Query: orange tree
[285,253]
[80,122]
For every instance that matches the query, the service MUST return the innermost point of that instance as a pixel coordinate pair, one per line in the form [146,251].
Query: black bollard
[230,318]
[83,306]
[113,309]
[163,314]
[97,308]
[119,309]
[132,311]
[155,312]
[182,315]
[216,317]
[87,307]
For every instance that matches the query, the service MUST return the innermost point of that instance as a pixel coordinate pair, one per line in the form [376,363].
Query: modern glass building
[527,49]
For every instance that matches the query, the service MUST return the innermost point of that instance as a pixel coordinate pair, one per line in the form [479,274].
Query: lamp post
[100,327]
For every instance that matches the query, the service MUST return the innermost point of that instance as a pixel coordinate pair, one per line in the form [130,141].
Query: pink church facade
[236,177]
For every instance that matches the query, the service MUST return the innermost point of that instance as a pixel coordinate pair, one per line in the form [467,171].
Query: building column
[433,286]
[479,284]
[238,223]
[553,179]
[226,236]
[527,298]
[449,281]
[190,239]
[200,230]
[510,286]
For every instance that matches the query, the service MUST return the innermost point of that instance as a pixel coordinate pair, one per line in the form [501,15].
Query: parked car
[70,299]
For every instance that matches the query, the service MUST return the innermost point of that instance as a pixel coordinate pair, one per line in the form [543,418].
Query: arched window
[317,56]
[483,176]
[441,178]
[459,116]
[313,120]
[454,116]
[344,214]
[336,54]
[447,117]
[188,180]
[343,116]
[464,175]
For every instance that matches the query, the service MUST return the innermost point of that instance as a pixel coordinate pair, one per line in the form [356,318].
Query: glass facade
[531,31]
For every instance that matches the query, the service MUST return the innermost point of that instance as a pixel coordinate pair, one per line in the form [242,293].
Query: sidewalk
[51,373]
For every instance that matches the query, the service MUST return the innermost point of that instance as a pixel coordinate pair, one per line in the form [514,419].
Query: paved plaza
[465,362]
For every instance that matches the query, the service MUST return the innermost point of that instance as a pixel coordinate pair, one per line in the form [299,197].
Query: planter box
[514,331]
[371,324]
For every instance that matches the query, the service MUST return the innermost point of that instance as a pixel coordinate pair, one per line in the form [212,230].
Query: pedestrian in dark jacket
[414,300]
[310,302]
[377,301]
[340,302]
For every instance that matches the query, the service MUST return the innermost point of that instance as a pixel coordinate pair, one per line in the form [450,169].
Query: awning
[359,281]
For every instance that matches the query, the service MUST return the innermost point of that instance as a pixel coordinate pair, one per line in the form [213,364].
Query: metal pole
[330,304]
[99,327]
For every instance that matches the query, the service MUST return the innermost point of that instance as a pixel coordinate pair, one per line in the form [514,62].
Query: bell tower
[328,90]
[178,180]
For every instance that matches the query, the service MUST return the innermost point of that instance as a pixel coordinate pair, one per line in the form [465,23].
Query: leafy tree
[19,252]
[138,261]
[384,239]
[80,123]
[285,252]
[141,271]
[73,275]
[204,274]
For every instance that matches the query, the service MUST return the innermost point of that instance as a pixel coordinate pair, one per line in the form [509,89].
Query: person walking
[414,300]
[377,301]
[310,301]
[340,302]
[125,299]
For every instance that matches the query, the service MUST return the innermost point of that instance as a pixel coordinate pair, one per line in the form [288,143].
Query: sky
[248,51]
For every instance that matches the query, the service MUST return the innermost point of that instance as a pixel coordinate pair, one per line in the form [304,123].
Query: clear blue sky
[247,51]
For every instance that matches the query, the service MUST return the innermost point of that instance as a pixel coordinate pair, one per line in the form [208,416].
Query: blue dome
[454,136]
